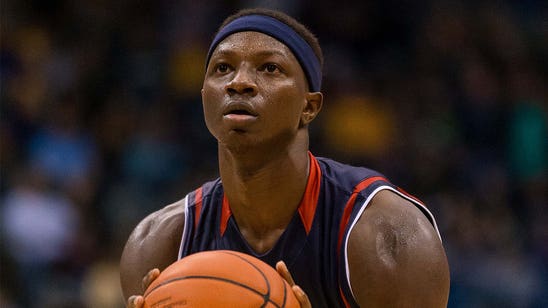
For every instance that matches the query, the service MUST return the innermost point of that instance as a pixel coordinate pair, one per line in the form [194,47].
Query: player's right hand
[138,301]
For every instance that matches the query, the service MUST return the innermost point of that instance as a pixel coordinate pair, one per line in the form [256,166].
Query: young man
[347,235]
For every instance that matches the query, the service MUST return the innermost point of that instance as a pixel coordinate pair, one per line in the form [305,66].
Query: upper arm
[154,243]
[396,258]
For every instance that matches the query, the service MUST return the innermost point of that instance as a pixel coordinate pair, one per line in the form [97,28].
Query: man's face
[254,91]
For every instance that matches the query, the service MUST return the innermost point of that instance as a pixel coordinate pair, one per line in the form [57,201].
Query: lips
[239,108]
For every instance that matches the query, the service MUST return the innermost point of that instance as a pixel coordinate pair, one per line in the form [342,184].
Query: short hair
[298,27]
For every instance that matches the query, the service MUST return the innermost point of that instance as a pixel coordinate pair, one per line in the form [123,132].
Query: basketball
[219,278]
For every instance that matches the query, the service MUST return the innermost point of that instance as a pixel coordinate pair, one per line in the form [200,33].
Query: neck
[264,188]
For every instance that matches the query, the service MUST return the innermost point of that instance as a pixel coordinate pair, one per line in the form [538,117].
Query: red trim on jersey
[410,196]
[198,205]
[225,214]
[350,205]
[346,304]
[309,202]
[307,207]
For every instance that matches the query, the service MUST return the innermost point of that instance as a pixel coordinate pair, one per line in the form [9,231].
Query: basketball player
[346,234]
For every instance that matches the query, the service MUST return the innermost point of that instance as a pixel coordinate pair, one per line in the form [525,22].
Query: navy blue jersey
[314,244]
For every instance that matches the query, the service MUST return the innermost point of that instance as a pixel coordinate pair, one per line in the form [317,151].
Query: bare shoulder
[154,243]
[395,256]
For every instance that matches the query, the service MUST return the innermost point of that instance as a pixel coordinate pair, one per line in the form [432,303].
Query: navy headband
[283,33]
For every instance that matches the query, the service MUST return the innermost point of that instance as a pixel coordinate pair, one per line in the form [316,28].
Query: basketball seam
[213,278]
[266,296]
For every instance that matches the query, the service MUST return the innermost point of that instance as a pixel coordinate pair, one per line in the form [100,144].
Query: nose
[242,83]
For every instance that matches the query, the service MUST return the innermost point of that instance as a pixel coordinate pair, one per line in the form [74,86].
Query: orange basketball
[219,278]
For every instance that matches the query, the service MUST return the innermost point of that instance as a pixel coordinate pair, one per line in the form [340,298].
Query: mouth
[239,109]
[238,112]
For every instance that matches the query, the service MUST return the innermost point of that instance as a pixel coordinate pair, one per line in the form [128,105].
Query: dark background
[101,124]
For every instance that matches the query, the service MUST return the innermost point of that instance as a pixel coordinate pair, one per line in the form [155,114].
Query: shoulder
[161,224]
[344,175]
[396,257]
[154,243]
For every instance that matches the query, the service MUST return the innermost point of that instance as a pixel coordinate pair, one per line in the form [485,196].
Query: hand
[281,268]
[138,301]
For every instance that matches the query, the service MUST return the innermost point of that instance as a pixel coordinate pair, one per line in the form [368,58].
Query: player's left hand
[281,268]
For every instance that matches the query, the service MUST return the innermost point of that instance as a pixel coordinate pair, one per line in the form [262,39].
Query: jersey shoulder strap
[194,203]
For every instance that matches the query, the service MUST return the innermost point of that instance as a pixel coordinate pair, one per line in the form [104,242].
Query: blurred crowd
[101,123]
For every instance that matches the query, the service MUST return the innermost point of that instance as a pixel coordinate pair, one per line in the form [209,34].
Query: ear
[312,106]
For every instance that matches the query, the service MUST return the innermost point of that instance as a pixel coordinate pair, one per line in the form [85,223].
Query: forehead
[250,42]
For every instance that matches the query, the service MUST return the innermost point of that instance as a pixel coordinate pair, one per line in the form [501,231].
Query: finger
[135,301]
[149,277]
[301,297]
[281,268]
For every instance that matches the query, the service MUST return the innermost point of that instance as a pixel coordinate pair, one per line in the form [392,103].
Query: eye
[222,68]
[271,68]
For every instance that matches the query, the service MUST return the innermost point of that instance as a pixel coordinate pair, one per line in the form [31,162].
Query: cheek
[209,97]
[287,103]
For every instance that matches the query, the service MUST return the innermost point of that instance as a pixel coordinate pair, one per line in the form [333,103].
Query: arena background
[101,123]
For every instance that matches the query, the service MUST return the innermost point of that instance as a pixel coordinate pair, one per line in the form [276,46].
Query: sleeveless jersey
[314,244]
